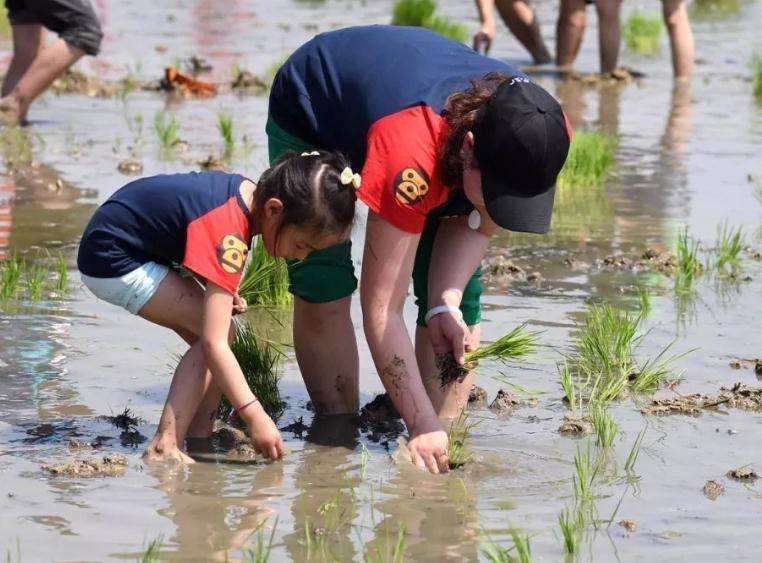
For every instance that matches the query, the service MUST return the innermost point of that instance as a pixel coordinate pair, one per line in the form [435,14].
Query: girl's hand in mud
[428,450]
[239,304]
[448,332]
[483,38]
[265,437]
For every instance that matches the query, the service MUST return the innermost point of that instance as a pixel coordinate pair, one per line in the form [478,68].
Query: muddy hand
[239,304]
[428,450]
[483,38]
[448,332]
[265,437]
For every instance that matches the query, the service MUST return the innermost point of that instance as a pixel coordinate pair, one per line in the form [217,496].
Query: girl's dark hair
[311,191]
[459,113]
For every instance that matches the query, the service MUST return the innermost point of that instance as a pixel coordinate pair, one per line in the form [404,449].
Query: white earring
[474,220]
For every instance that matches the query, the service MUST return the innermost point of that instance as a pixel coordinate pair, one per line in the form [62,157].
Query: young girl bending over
[205,222]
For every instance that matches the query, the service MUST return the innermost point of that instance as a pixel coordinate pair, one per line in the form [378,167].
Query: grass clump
[730,244]
[519,552]
[21,280]
[259,361]
[642,32]
[265,281]
[422,13]
[11,271]
[225,127]
[756,75]
[167,128]
[35,278]
[591,154]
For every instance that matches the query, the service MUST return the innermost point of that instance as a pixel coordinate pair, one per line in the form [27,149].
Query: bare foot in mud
[156,453]
[10,112]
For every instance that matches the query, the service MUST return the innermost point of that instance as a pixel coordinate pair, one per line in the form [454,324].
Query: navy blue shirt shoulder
[336,86]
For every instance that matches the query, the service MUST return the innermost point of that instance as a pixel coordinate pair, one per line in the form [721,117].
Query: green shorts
[327,275]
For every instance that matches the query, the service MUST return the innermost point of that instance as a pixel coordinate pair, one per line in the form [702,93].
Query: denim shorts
[130,291]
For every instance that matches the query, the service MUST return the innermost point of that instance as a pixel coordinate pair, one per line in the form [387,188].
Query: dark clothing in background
[73,20]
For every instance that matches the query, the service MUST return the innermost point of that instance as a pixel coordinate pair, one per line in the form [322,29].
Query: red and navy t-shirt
[198,220]
[377,93]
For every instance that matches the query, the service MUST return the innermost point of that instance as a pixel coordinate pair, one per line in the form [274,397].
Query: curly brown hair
[459,113]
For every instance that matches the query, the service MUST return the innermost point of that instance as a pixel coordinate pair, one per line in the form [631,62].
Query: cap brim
[515,212]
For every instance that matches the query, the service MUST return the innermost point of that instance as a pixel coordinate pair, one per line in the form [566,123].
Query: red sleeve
[217,244]
[399,180]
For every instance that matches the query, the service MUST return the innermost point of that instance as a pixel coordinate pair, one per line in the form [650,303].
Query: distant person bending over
[205,221]
[519,18]
[572,20]
[35,65]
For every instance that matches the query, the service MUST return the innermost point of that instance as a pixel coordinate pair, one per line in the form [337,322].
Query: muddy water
[683,158]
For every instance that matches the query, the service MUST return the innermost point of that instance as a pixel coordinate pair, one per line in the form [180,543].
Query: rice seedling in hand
[11,271]
[730,243]
[35,278]
[166,127]
[605,426]
[756,76]
[259,361]
[260,552]
[225,127]
[265,281]
[689,266]
[519,552]
[642,32]
[591,154]
[515,345]
[421,13]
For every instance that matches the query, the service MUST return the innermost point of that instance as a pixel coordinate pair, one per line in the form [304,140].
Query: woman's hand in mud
[428,450]
[483,38]
[265,437]
[448,333]
[239,304]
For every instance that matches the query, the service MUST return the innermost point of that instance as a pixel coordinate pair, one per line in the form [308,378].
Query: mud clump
[380,420]
[498,270]
[713,489]
[575,426]
[629,525]
[450,370]
[130,167]
[211,162]
[233,442]
[746,474]
[246,81]
[111,465]
[651,259]
[506,403]
[126,420]
[622,75]
[477,396]
[739,396]
[75,82]
[739,363]
[298,428]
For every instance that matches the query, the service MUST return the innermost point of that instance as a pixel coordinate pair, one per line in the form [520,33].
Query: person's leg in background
[324,336]
[28,41]
[79,34]
[570,29]
[680,37]
[522,21]
[609,33]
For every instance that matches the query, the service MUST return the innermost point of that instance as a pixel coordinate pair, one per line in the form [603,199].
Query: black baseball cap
[521,141]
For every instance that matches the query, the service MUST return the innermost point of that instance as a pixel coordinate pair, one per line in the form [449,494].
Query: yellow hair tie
[349,177]
[313,153]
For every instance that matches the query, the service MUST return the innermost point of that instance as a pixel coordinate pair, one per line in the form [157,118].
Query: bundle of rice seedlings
[35,278]
[457,452]
[10,276]
[642,32]
[591,154]
[689,266]
[265,281]
[517,344]
[730,243]
[421,13]
[571,521]
[260,362]
[605,426]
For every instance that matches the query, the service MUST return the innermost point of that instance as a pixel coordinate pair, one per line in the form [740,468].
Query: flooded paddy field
[686,157]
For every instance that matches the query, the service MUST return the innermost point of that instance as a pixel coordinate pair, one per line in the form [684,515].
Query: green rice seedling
[591,155]
[152,551]
[11,271]
[632,457]
[585,476]
[642,32]
[608,339]
[274,67]
[421,13]
[708,10]
[260,552]
[265,281]
[519,552]
[730,244]
[655,371]
[689,266]
[62,279]
[259,361]
[569,385]
[605,426]
[166,127]
[756,75]
[225,127]
[390,553]
[15,146]
[365,456]
[571,521]
[644,302]
[457,452]
[5,24]
[35,278]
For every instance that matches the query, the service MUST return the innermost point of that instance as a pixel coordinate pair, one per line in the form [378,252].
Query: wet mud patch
[477,396]
[297,428]
[380,421]
[575,426]
[130,167]
[619,76]
[500,271]
[739,363]
[111,465]
[128,423]
[628,524]
[232,442]
[713,489]
[506,403]
[652,259]
[739,396]
[51,432]
[451,371]
[746,474]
